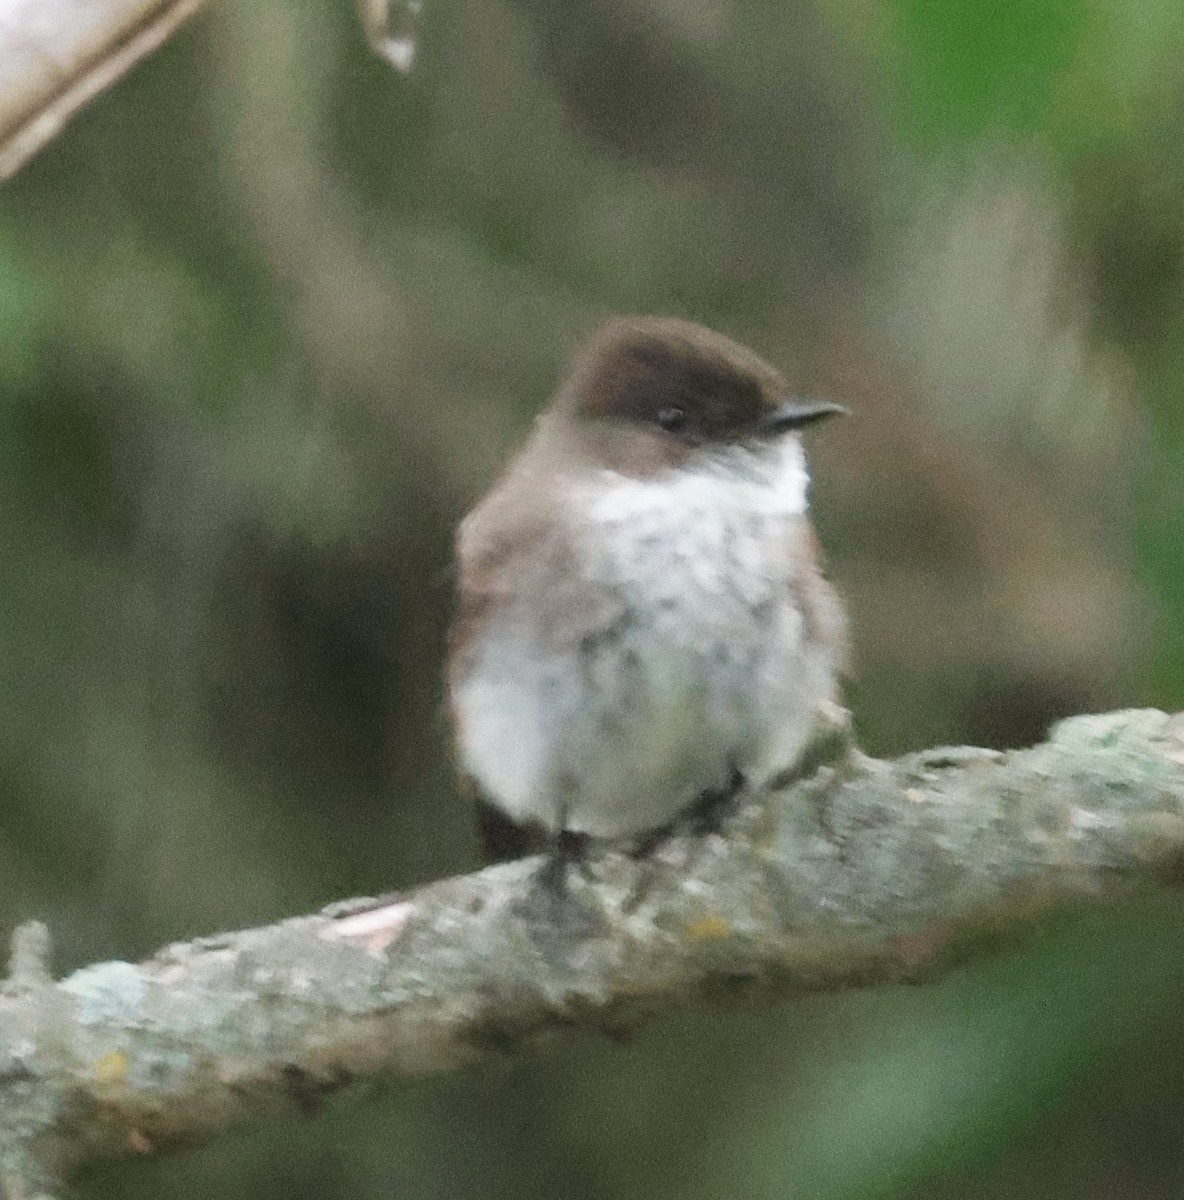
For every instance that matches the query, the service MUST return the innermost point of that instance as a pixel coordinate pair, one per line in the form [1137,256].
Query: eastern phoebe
[642,620]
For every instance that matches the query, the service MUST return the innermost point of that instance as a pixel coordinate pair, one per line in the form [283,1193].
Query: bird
[642,625]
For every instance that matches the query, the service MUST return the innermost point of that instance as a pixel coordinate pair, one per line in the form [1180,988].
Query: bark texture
[860,872]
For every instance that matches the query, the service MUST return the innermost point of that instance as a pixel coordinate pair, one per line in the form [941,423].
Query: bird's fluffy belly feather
[707,668]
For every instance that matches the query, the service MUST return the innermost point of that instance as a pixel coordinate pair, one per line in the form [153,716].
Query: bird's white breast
[707,669]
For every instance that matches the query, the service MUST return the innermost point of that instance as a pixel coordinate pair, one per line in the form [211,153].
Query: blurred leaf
[26,302]
[969,70]
[937,1081]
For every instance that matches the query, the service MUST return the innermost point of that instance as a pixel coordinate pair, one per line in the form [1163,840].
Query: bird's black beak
[797,414]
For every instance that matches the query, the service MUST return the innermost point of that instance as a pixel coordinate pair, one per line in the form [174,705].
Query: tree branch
[55,55]
[865,871]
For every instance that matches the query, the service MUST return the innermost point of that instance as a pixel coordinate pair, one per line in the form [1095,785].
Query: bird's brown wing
[822,611]
[501,839]
[519,564]
[517,560]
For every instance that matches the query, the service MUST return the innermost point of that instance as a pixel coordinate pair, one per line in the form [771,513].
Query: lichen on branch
[863,871]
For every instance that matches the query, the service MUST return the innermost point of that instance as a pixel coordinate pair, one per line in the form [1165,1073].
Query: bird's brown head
[656,390]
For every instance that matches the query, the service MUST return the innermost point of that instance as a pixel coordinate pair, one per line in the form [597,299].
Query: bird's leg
[565,850]
[705,814]
[712,807]
[551,897]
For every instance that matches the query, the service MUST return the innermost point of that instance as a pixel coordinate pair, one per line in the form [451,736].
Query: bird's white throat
[771,481]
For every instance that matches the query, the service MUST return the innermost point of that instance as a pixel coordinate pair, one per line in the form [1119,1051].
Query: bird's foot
[714,806]
[553,896]
[566,852]
[705,814]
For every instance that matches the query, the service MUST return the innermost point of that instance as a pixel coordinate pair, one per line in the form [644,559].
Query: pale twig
[55,55]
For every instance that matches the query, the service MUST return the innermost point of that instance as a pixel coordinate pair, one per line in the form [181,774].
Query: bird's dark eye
[672,418]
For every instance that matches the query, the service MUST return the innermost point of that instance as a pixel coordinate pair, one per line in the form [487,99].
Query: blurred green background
[272,316]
